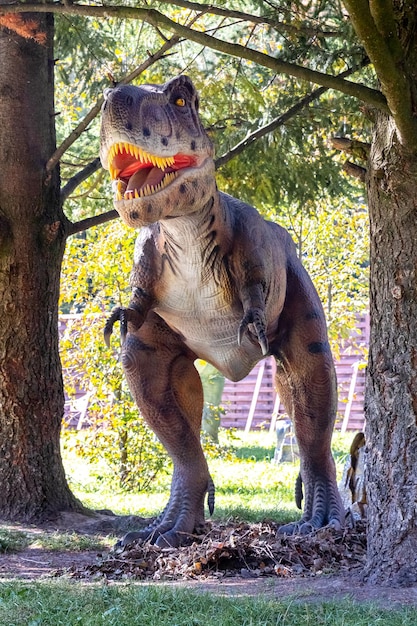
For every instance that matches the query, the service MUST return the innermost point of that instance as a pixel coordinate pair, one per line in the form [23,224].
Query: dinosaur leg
[306,381]
[167,388]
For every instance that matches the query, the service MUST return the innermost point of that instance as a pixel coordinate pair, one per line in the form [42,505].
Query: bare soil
[234,559]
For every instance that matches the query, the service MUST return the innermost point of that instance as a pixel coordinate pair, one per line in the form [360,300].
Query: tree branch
[383,15]
[255,19]
[80,177]
[280,120]
[395,84]
[355,170]
[96,220]
[268,128]
[155,18]
[358,148]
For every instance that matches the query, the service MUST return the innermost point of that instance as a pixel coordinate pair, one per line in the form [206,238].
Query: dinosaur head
[156,150]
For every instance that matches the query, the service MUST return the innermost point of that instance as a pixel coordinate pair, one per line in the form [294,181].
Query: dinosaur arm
[249,271]
[145,272]
[133,315]
[253,301]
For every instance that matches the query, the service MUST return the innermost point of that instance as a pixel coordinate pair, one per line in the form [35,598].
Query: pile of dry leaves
[235,549]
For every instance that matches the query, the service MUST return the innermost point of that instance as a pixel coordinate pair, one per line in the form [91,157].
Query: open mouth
[138,173]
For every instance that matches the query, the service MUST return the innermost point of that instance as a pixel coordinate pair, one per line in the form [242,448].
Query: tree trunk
[391,399]
[32,241]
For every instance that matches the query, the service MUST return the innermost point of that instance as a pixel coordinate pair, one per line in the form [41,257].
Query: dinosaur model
[212,280]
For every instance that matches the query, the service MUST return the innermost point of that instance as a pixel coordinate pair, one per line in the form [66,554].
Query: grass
[55,603]
[13,539]
[249,487]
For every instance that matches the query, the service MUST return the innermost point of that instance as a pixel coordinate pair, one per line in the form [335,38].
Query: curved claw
[118,314]
[255,317]
[123,315]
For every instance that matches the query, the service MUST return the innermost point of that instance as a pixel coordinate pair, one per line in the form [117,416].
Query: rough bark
[32,240]
[391,400]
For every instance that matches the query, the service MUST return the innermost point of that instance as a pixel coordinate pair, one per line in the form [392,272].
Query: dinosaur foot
[323,508]
[182,517]
[306,527]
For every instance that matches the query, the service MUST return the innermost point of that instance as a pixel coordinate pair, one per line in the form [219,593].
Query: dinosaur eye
[180,102]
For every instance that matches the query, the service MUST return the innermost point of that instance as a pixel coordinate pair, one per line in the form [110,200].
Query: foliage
[94,277]
[12,540]
[333,242]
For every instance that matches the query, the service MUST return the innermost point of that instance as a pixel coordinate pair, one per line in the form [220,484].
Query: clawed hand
[123,315]
[256,317]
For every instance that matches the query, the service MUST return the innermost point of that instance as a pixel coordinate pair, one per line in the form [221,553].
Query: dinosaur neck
[205,230]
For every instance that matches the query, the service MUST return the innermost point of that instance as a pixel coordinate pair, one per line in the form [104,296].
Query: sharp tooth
[118,195]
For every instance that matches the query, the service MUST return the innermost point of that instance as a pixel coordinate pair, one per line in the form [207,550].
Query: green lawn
[249,485]
[57,603]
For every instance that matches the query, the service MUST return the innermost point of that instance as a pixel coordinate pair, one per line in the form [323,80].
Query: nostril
[128,126]
[129,100]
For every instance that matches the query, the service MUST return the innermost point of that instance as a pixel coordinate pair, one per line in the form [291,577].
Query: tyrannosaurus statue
[212,280]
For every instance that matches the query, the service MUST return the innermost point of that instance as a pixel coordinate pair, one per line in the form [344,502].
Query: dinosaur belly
[209,327]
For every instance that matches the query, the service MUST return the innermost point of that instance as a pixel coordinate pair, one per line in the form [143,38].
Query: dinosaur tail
[211,491]
[299,491]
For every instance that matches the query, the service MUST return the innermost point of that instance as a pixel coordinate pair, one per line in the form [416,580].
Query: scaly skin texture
[211,280]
